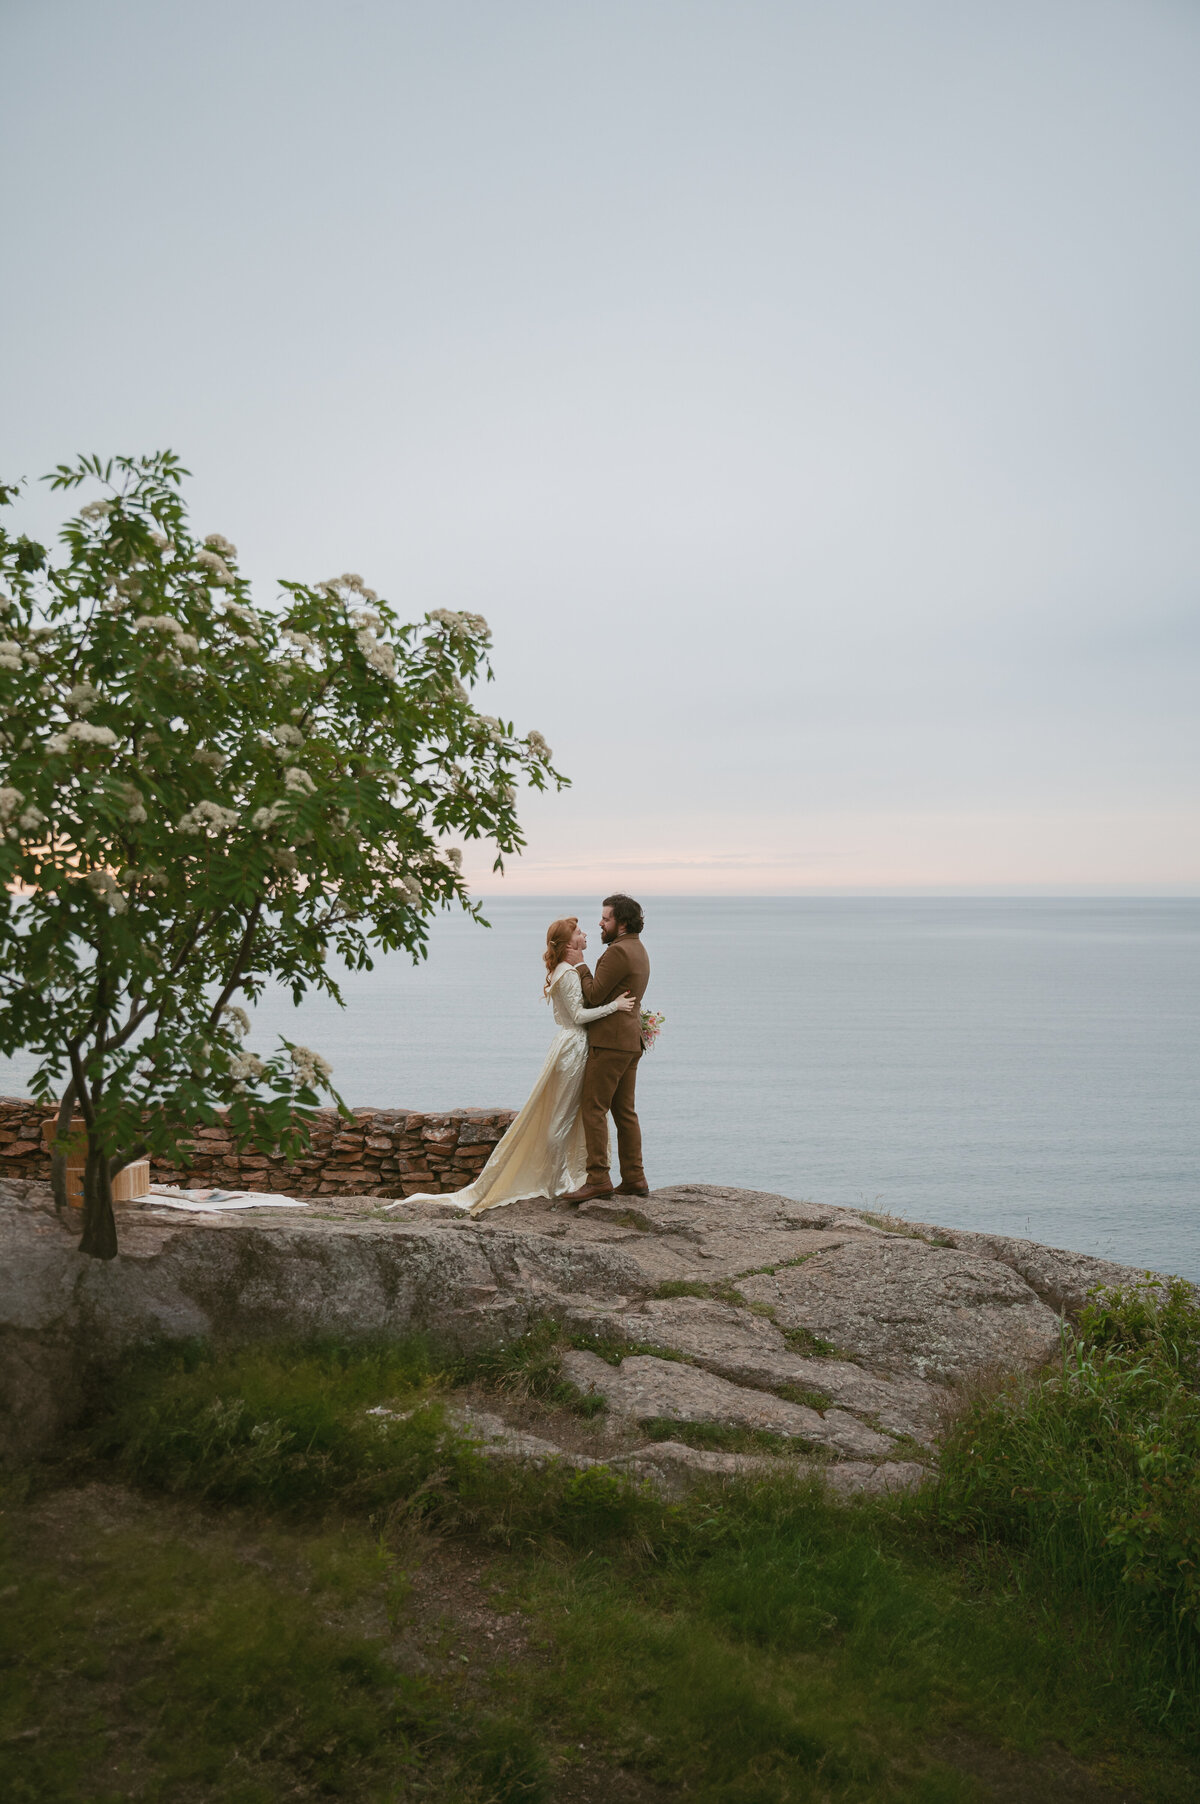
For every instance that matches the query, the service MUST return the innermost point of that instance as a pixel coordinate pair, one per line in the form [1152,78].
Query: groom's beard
[607,939]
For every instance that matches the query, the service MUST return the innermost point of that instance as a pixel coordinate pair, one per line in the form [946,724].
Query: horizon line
[869,895]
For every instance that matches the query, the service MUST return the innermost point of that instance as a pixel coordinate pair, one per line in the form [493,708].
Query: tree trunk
[58,1157]
[99,1224]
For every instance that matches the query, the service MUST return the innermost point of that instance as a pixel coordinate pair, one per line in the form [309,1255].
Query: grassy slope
[247,1589]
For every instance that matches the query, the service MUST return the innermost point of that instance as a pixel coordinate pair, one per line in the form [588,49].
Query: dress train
[542,1151]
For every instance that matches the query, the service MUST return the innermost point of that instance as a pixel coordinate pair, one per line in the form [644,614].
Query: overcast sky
[809,393]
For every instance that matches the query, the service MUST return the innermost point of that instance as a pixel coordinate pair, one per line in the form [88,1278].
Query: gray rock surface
[732,1284]
[498,1439]
[900,1304]
[643,1388]
[1060,1279]
[750,1350]
[672,1467]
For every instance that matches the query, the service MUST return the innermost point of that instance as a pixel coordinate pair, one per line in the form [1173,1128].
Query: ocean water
[1027,1067]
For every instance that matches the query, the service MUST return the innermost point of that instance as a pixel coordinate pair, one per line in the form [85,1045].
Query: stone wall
[387,1152]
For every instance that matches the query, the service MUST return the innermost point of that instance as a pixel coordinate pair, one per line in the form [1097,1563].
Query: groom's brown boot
[589,1193]
[624,1189]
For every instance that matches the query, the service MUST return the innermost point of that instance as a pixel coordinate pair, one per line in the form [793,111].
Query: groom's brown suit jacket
[622,966]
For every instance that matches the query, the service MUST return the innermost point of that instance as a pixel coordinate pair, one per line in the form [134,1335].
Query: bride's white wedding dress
[542,1152]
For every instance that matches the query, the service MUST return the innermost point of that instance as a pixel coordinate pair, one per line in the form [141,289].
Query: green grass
[155,1663]
[896,1224]
[251,1631]
[613,1349]
[530,1368]
[797,1393]
[799,1340]
[1091,1472]
[721,1437]
[719,1291]
[781,1265]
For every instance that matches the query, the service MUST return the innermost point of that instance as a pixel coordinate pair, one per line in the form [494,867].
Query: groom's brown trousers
[614,1048]
[608,1084]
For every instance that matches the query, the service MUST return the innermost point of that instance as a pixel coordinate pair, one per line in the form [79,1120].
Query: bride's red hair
[558,937]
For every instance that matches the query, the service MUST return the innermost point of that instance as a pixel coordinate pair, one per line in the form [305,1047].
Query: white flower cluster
[222,575]
[244,621]
[80,733]
[286,734]
[10,655]
[378,653]
[237,1019]
[245,1065]
[220,545]
[301,641]
[160,541]
[106,889]
[83,698]
[95,511]
[538,747]
[299,781]
[333,586]
[31,817]
[309,1067]
[263,819]
[205,815]
[181,640]
[135,807]
[455,857]
[409,890]
[495,731]
[206,755]
[466,626]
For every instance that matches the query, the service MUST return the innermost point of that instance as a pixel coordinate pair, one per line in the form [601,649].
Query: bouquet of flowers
[651,1028]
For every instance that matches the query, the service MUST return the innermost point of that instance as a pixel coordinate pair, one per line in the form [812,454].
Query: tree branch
[126,1156]
[235,978]
[79,1079]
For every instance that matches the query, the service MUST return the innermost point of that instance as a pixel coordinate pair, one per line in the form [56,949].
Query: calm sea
[1026,1067]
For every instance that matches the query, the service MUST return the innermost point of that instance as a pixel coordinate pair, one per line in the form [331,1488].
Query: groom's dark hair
[626,912]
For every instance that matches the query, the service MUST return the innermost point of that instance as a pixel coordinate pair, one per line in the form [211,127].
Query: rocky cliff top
[843,1334]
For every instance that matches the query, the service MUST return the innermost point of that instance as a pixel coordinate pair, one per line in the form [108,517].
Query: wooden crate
[128,1185]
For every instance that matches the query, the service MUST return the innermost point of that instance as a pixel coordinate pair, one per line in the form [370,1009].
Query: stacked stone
[386,1152]
[21,1151]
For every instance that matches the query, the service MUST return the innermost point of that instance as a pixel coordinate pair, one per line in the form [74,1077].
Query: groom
[614,1048]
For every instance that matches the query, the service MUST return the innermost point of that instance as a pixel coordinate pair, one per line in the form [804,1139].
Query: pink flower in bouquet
[651,1028]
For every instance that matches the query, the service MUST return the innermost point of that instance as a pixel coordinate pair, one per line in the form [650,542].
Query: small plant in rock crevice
[720,1290]
[726,1437]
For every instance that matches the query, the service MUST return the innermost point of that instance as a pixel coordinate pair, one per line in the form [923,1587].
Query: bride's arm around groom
[618,968]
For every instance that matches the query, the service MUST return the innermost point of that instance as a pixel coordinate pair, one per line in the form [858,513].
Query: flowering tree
[197,795]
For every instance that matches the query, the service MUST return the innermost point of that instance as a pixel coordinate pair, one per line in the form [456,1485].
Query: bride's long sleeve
[572,996]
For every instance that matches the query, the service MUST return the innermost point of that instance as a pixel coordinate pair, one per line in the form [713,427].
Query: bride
[542,1152]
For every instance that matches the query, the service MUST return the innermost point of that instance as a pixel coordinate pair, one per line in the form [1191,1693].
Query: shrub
[1093,1467]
